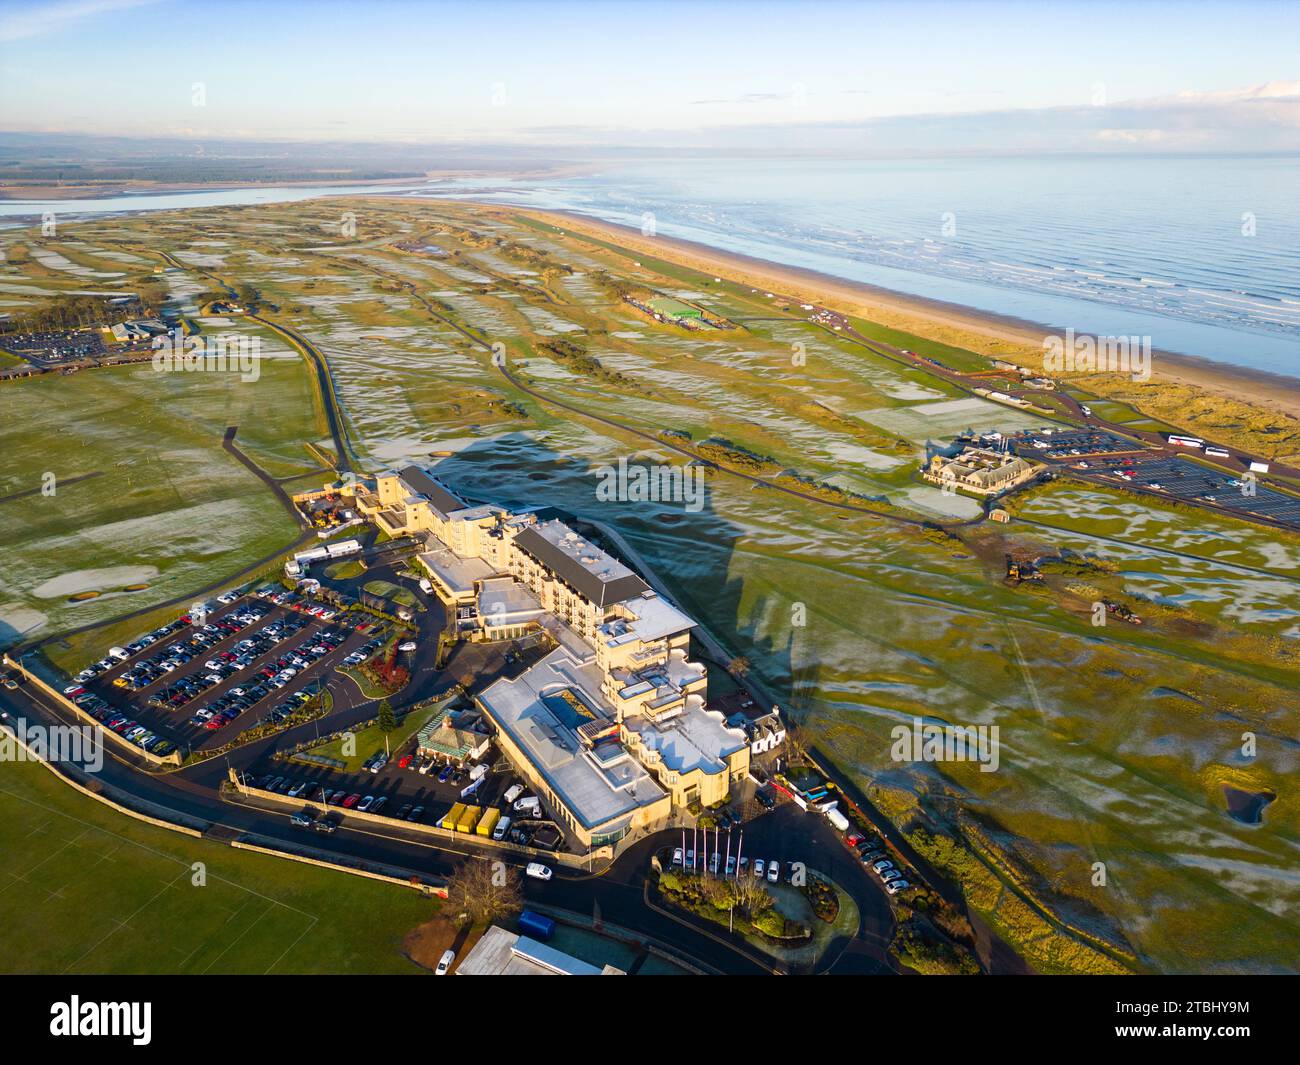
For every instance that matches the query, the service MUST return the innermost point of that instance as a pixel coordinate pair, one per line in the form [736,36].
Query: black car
[765,799]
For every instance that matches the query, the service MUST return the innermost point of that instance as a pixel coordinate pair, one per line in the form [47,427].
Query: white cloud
[40,19]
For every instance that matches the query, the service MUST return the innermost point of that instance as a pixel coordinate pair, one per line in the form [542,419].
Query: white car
[773,871]
[758,867]
[444,963]
[538,871]
[895,886]
[410,645]
[366,803]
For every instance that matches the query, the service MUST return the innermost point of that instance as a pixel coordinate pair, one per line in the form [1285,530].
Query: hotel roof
[504,953]
[456,573]
[696,739]
[597,576]
[651,617]
[418,480]
[542,710]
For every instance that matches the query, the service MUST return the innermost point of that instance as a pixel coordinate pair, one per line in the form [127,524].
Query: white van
[538,871]
[120,653]
[503,826]
[527,805]
[513,792]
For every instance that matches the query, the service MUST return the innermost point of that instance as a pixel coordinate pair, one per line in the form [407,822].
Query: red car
[351,801]
[404,761]
[854,838]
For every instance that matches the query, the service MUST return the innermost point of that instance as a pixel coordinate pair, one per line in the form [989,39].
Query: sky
[1047,74]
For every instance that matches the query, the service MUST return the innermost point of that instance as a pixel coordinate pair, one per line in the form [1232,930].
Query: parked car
[538,871]
[366,803]
[773,871]
[759,867]
[678,855]
[351,801]
[444,963]
[895,886]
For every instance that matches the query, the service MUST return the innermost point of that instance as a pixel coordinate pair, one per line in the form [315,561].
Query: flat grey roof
[504,953]
[595,793]
[458,574]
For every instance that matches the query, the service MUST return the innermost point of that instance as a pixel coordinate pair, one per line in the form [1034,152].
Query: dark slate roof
[419,481]
[591,585]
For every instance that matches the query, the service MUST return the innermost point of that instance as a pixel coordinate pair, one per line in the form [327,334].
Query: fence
[172,759]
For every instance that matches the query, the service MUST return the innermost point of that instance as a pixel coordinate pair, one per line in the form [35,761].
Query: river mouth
[1247,806]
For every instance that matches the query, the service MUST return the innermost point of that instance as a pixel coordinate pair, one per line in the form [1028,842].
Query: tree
[387,719]
[751,895]
[797,742]
[481,890]
[738,666]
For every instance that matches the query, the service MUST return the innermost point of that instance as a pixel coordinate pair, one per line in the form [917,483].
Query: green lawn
[370,740]
[87,890]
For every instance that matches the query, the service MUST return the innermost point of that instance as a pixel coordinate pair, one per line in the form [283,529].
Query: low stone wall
[173,759]
[99,796]
[416,882]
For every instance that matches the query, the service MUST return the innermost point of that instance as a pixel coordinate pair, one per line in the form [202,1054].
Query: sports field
[86,890]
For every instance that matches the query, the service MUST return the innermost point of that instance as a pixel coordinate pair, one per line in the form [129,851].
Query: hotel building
[612,727]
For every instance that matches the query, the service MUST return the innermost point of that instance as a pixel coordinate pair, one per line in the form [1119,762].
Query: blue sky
[984,75]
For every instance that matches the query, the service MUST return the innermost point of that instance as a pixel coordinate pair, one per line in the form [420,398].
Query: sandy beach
[950,323]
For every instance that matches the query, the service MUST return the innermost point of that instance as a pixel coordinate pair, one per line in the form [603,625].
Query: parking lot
[1063,444]
[402,787]
[770,845]
[1191,482]
[196,682]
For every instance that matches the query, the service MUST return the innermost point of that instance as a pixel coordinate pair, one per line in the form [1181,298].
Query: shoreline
[1002,336]
[92,189]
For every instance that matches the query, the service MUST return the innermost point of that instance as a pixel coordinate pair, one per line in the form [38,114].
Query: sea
[1200,254]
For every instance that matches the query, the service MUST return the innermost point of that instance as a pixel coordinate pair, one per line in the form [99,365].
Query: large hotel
[611,727]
